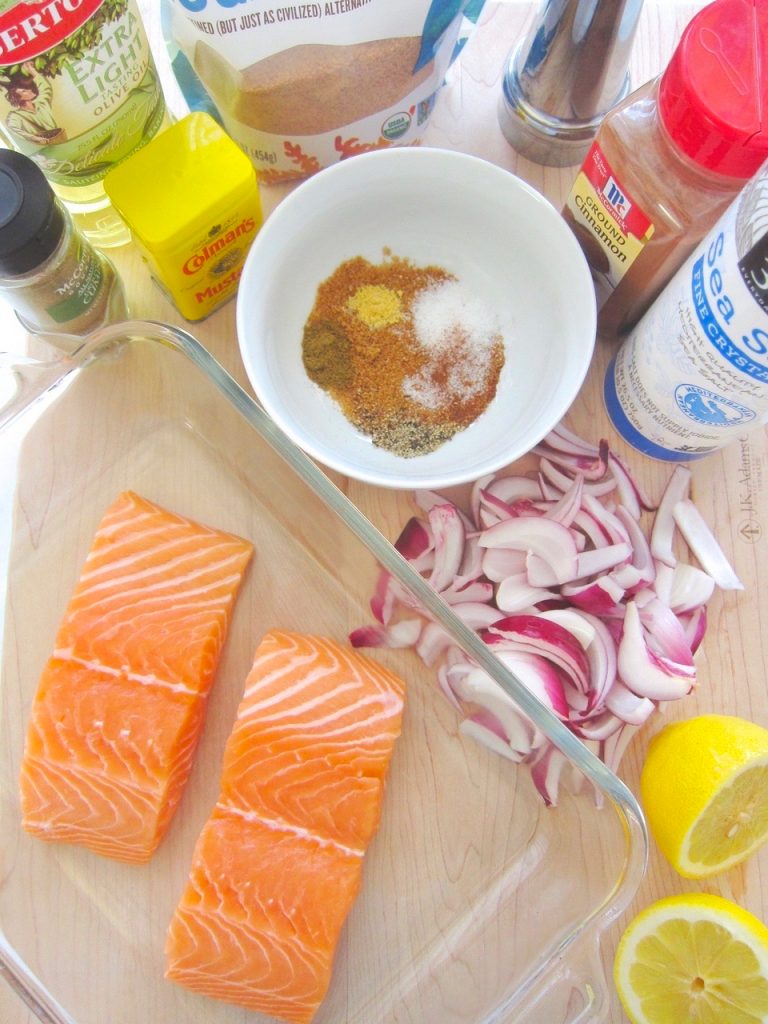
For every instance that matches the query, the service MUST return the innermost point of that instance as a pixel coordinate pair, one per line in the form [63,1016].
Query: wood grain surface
[731,488]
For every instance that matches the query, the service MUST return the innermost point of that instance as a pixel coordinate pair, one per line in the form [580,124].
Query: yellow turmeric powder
[376,305]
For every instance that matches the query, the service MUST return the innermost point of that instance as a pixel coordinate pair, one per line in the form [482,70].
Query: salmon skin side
[278,864]
[121,701]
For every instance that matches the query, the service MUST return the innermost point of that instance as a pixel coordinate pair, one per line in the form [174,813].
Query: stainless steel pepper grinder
[567,73]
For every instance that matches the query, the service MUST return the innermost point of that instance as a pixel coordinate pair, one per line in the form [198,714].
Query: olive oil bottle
[79,92]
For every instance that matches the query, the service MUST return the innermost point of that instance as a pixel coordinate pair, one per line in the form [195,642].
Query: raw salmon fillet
[121,702]
[278,864]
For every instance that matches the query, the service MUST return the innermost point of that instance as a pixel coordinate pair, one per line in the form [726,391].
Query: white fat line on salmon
[267,677]
[342,736]
[307,682]
[146,679]
[137,543]
[216,598]
[165,567]
[193,616]
[126,531]
[77,786]
[388,705]
[277,825]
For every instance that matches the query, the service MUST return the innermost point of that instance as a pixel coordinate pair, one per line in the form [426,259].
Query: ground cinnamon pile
[410,356]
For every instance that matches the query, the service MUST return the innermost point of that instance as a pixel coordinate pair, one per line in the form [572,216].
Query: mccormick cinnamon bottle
[668,161]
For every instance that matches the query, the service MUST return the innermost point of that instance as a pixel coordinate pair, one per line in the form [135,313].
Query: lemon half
[694,959]
[704,788]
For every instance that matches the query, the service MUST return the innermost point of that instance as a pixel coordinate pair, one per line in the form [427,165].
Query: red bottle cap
[713,98]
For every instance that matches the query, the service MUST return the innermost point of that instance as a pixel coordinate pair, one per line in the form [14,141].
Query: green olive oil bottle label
[79,90]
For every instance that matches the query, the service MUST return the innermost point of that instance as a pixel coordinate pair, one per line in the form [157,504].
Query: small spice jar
[57,283]
[191,199]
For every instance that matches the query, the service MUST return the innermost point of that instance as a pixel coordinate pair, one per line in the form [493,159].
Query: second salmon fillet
[279,862]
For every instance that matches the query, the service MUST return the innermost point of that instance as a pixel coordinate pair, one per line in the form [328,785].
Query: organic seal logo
[706,407]
[396,125]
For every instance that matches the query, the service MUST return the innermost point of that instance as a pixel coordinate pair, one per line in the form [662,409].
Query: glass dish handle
[576,990]
[24,381]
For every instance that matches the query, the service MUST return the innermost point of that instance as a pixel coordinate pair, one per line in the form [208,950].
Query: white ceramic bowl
[504,242]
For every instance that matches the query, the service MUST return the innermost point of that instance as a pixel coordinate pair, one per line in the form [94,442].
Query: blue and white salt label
[693,375]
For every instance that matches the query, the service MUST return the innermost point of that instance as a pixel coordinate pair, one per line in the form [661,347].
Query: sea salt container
[191,199]
[692,377]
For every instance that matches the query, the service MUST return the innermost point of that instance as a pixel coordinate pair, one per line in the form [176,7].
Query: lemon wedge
[704,789]
[694,959]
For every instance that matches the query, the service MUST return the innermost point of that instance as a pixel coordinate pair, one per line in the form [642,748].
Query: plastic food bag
[302,86]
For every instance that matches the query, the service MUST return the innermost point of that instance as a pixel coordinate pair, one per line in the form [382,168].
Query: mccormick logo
[616,198]
[198,260]
[34,26]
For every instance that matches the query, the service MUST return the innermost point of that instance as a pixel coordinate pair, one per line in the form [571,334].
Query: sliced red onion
[433,641]
[646,673]
[561,439]
[601,596]
[462,590]
[578,625]
[539,676]
[610,523]
[499,563]
[590,467]
[629,578]
[562,481]
[476,687]
[705,548]
[690,587]
[383,599]
[551,541]
[663,533]
[546,772]
[642,559]
[485,729]
[588,563]
[449,535]
[590,527]
[548,491]
[598,727]
[665,631]
[557,575]
[627,706]
[474,499]
[513,488]
[515,594]
[695,626]
[612,750]
[564,510]
[415,539]
[477,615]
[472,562]
[404,633]
[662,584]
[531,634]
[631,494]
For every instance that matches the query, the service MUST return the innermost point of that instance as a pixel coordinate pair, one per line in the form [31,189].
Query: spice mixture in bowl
[416,317]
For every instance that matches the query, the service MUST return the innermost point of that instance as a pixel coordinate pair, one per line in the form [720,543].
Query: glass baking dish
[479,904]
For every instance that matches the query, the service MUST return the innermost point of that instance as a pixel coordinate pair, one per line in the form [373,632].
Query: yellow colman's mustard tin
[191,199]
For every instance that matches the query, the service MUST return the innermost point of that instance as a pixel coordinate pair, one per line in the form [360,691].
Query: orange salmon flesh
[278,864]
[121,702]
